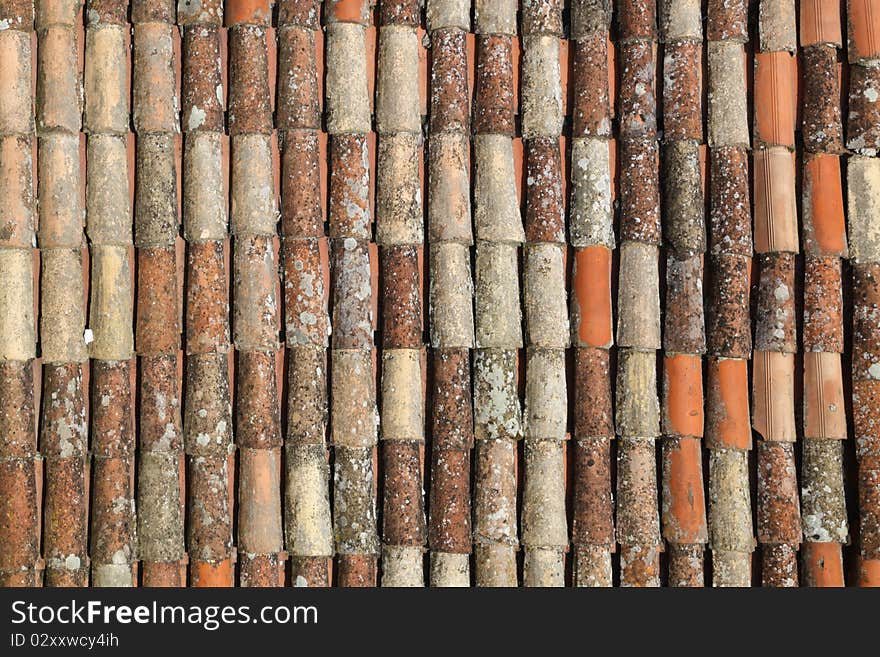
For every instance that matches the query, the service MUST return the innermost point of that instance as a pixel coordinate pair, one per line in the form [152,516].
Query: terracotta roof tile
[538,238]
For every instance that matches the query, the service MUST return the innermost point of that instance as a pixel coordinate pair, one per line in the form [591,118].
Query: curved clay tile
[157,332]
[207,416]
[592,236]
[728,329]
[638,324]
[822,205]
[684,338]
[776,242]
[108,225]
[353,417]
[89,152]
[451,294]
[544,522]
[307,519]
[863,195]
[819,23]
[20,532]
[863,203]
[399,237]
[824,518]
[863,30]
[498,332]
[255,317]
[62,313]
[774,94]
[863,118]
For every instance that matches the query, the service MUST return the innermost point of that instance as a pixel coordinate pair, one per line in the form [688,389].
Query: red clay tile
[821,119]
[773,396]
[819,23]
[823,564]
[774,97]
[822,195]
[823,305]
[863,118]
[727,21]
[727,400]
[682,91]
[863,30]
[775,212]
[683,397]
[824,402]
[591,109]
[684,517]
[592,299]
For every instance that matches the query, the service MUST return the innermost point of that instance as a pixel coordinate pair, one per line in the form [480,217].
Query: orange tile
[773,396]
[775,211]
[775,98]
[349,11]
[683,395]
[728,402]
[824,402]
[685,521]
[820,22]
[823,564]
[592,294]
[823,205]
[869,572]
[864,29]
[239,12]
[204,574]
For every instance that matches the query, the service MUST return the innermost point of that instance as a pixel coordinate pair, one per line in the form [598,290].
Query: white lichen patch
[120,557]
[197,117]
[781,292]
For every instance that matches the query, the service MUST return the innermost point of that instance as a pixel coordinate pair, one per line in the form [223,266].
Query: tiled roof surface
[553,293]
